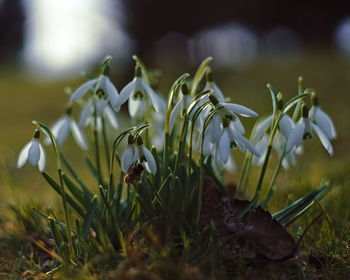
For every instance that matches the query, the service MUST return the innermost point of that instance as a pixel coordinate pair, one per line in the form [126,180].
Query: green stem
[273,180]
[60,175]
[165,155]
[97,149]
[105,140]
[181,144]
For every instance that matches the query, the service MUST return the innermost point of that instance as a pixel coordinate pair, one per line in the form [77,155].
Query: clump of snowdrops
[162,158]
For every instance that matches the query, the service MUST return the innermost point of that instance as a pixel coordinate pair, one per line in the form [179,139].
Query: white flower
[216,162]
[136,92]
[62,128]
[303,130]
[285,126]
[102,83]
[34,152]
[230,138]
[210,84]
[102,109]
[322,120]
[139,153]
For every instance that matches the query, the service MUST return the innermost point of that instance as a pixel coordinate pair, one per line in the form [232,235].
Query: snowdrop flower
[34,152]
[216,162]
[136,92]
[210,84]
[232,108]
[158,120]
[129,156]
[180,106]
[303,131]
[62,128]
[321,119]
[139,153]
[102,109]
[102,83]
[230,139]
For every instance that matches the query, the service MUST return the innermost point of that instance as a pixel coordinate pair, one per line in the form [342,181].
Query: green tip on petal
[131,139]
[314,100]
[213,99]
[280,101]
[304,111]
[138,72]
[36,134]
[184,89]
[139,141]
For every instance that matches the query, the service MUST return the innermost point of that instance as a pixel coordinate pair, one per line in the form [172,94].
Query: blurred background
[45,45]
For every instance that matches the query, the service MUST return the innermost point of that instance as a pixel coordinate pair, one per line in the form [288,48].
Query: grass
[325,247]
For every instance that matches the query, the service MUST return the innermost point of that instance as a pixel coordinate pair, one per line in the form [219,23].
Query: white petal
[215,129]
[150,160]
[86,114]
[127,159]
[101,104]
[136,155]
[286,126]
[78,135]
[111,117]
[323,138]
[296,136]
[63,131]
[42,160]
[325,123]
[55,127]
[261,146]
[136,107]
[173,115]
[237,126]
[126,92]
[23,155]
[112,92]
[242,140]
[239,109]
[34,152]
[152,96]
[82,90]
[206,144]
[261,127]
[224,146]
[230,165]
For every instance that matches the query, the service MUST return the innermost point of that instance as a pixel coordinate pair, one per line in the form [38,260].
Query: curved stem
[105,140]
[97,149]
[60,175]
[273,180]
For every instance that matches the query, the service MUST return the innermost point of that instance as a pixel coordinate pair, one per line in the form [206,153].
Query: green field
[325,249]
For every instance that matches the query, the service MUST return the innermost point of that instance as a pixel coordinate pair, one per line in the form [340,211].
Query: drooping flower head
[303,131]
[138,93]
[102,83]
[321,118]
[34,152]
[63,127]
[136,152]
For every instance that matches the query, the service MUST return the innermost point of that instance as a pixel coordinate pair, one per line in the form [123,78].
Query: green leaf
[86,191]
[70,200]
[202,69]
[89,217]
[273,93]
[293,101]
[298,207]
